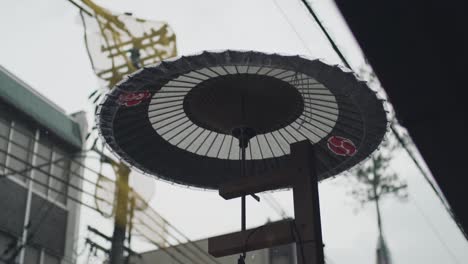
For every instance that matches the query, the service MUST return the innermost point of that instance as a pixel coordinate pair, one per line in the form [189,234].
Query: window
[4,138]
[43,159]
[7,245]
[49,259]
[32,255]
[60,171]
[21,148]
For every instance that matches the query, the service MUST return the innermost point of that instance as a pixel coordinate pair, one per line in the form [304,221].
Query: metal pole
[120,220]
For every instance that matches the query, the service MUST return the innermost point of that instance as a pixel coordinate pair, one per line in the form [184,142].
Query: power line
[434,230]
[431,184]
[67,184]
[285,17]
[74,199]
[45,157]
[324,31]
[392,127]
[80,7]
[30,236]
[188,241]
[63,181]
[275,205]
[30,167]
[59,192]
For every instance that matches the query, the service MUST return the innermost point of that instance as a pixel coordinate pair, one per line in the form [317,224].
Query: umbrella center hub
[259,102]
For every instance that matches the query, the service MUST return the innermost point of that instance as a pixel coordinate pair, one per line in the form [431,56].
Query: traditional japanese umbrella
[180,120]
[210,119]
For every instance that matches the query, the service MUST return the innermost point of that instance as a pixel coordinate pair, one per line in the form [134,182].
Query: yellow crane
[118,45]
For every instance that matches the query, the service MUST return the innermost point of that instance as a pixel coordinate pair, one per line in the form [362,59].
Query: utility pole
[122,188]
[121,212]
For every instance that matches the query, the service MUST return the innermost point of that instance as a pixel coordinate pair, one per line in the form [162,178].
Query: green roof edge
[46,113]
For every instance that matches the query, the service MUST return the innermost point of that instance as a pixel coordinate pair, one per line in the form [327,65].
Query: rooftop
[33,104]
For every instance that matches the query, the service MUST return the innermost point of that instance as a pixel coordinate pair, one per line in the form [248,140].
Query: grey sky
[42,43]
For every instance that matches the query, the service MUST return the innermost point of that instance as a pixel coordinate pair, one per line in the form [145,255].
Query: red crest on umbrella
[341,146]
[132,99]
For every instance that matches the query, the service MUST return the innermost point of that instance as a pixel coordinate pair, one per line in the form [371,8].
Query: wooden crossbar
[270,235]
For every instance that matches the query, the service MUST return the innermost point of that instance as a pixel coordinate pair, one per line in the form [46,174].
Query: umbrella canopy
[178,120]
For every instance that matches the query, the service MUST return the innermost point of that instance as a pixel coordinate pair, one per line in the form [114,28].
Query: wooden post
[306,230]
[309,244]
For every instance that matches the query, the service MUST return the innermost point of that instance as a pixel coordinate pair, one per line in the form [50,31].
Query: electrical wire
[185,244]
[275,205]
[59,192]
[80,7]
[34,231]
[285,17]
[392,126]
[434,230]
[21,173]
[431,184]
[45,157]
[79,202]
[13,172]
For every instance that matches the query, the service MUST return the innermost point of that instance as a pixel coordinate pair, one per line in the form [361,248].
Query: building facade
[197,253]
[41,151]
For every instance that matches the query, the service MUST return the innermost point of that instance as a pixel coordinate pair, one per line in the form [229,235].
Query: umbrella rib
[186,136]
[321,104]
[286,77]
[259,68]
[221,146]
[167,107]
[177,92]
[166,118]
[168,112]
[203,142]
[294,138]
[304,79]
[191,77]
[212,142]
[320,100]
[164,102]
[327,95]
[175,87]
[283,71]
[327,118]
[201,73]
[177,126]
[260,147]
[266,73]
[181,81]
[301,126]
[227,72]
[320,145]
[230,146]
[171,96]
[314,107]
[277,143]
[268,143]
[358,128]
[178,133]
[195,139]
[213,71]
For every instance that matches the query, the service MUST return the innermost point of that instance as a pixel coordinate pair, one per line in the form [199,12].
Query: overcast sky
[42,43]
